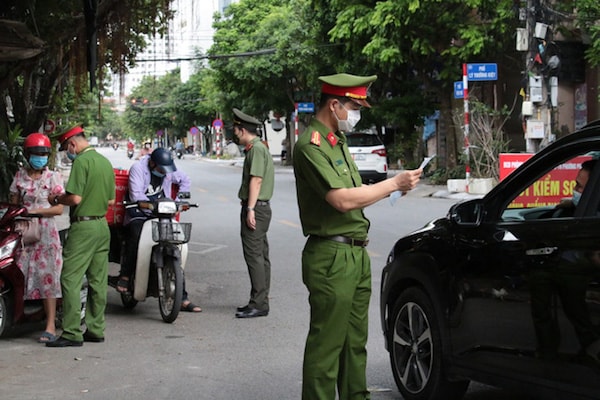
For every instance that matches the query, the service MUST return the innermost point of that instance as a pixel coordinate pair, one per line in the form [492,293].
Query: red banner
[550,188]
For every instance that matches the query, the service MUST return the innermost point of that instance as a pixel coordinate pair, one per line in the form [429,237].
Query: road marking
[289,223]
[208,247]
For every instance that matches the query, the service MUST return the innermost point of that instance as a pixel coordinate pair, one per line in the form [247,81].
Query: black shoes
[251,313]
[62,342]
[88,337]
[243,308]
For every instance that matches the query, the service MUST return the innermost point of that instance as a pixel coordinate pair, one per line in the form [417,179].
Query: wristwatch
[250,208]
[55,201]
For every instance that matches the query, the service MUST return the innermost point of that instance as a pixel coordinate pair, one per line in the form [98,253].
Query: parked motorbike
[129,153]
[14,309]
[115,146]
[162,254]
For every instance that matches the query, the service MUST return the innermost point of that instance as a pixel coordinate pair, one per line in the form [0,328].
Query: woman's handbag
[30,230]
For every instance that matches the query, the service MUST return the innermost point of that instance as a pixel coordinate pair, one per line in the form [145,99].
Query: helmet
[37,143]
[163,159]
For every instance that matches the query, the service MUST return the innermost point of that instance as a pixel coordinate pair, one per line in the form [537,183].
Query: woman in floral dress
[41,262]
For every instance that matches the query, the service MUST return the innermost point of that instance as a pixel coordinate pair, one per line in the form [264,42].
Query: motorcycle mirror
[183,195]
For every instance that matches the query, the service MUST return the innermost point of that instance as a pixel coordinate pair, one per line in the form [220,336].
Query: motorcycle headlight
[8,249]
[167,207]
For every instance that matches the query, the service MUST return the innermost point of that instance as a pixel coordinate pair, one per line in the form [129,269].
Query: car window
[361,140]
[550,196]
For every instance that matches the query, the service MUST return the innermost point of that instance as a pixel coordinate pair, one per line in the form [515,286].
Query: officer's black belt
[346,240]
[258,203]
[81,219]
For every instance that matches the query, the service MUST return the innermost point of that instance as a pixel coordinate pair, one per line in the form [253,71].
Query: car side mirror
[467,213]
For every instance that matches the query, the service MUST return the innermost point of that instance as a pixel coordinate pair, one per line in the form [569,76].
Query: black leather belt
[81,219]
[258,203]
[346,240]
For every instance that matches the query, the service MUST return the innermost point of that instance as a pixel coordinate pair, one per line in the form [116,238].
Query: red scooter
[14,309]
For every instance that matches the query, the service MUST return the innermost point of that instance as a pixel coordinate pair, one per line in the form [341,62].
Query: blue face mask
[71,156]
[38,162]
[576,197]
[157,174]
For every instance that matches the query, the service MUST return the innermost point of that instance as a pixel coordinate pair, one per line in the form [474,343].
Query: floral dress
[41,262]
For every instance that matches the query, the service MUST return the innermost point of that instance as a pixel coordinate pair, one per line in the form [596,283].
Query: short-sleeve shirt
[92,177]
[322,162]
[258,162]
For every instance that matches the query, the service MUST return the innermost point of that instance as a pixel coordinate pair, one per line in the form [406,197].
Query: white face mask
[347,125]
[576,197]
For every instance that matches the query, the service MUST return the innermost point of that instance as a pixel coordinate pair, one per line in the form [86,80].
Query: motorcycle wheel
[5,315]
[169,299]
[128,301]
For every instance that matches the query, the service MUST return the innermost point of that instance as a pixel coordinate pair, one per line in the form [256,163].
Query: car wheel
[416,350]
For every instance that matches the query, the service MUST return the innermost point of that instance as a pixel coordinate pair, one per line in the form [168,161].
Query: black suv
[503,291]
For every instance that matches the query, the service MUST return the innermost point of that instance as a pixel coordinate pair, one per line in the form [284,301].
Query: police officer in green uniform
[335,265]
[90,189]
[255,193]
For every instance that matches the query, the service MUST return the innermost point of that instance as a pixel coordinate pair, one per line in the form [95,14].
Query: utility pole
[531,145]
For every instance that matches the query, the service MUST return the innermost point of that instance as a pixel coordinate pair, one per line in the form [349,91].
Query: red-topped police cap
[62,139]
[345,85]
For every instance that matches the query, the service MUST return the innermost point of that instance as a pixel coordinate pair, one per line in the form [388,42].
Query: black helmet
[162,158]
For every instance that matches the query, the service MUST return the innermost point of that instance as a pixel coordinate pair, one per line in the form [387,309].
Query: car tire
[415,344]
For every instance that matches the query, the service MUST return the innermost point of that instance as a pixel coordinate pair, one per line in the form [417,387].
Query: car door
[529,287]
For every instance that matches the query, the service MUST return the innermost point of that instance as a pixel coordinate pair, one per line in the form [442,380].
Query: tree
[71,31]
[423,41]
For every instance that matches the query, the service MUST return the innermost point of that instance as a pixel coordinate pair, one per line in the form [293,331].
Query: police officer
[90,188]
[255,192]
[335,264]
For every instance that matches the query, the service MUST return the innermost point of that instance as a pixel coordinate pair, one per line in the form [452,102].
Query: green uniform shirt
[322,162]
[258,162]
[92,177]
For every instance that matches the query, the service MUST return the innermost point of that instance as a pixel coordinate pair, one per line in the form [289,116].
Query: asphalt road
[213,355]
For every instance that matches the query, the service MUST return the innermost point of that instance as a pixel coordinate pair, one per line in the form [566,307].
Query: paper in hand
[397,194]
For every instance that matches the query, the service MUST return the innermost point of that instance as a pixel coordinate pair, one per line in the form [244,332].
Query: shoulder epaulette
[316,138]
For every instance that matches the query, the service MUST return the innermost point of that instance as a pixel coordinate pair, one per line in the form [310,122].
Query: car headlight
[167,207]
[7,249]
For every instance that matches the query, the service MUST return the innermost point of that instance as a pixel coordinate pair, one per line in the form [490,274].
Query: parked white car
[369,154]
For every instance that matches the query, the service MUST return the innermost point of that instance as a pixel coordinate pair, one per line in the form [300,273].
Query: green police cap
[240,118]
[345,85]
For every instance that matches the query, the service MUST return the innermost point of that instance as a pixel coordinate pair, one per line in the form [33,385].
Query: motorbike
[14,308]
[115,146]
[162,254]
[129,153]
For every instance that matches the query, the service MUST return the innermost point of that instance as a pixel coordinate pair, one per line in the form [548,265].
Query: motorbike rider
[150,178]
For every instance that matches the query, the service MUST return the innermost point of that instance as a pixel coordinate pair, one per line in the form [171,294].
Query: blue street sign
[306,107]
[482,72]
[458,90]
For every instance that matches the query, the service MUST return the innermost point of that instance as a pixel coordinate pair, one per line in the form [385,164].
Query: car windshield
[363,139]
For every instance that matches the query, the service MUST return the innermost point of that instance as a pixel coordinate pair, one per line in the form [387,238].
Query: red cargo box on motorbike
[116,211]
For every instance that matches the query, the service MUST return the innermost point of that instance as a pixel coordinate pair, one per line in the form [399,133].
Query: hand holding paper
[397,194]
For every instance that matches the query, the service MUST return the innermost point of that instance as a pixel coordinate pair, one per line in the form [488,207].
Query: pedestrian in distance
[256,190]
[90,189]
[40,261]
[336,268]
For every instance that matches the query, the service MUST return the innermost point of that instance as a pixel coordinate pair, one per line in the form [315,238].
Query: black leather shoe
[88,337]
[243,308]
[62,342]
[251,313]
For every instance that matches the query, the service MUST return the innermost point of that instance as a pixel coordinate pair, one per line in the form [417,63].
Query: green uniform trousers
[338,278]
[85,254]
[255,246]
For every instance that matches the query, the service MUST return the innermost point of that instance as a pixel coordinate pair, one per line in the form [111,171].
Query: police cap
[345,85]
[240,118]
[62,139]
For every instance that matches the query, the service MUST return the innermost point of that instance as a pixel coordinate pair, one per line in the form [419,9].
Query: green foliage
[11,158]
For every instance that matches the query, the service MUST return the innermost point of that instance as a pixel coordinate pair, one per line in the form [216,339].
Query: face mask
[347,125]
[38,162]
[71,156]
[576,197]
[157,174]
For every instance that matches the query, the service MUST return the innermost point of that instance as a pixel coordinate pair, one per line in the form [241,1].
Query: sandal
[46,337]
[122,285]
[190,307]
